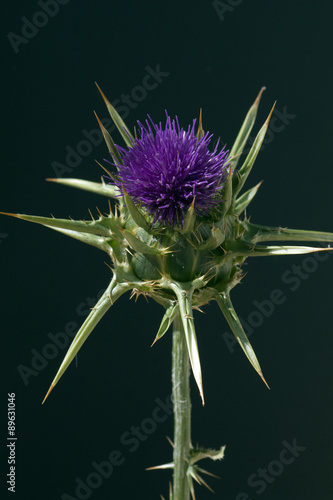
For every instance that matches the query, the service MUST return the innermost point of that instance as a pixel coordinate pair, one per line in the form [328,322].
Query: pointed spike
[119,123]
[244,171]
[258,98]
[225,304]
[48,393]
[109,141]
[263,379]
[136,214]
[94,317]
[270,115]
[17,216]
[189,219]
[104,168]
[200,131]
[245,130]
[245,199]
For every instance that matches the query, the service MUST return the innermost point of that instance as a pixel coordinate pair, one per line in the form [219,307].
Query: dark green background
[48,97]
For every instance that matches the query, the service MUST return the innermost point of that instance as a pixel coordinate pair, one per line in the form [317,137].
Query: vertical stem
[181,410]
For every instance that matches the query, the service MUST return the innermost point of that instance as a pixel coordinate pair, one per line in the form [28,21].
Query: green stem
[181,410]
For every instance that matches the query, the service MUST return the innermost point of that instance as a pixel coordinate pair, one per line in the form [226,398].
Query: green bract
[184,267]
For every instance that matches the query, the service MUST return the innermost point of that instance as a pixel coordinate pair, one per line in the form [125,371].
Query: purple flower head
[165,169]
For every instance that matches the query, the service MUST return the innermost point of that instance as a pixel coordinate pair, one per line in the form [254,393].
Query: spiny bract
[185,246]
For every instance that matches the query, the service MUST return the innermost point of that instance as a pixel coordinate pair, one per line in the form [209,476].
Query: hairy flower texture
[165,169]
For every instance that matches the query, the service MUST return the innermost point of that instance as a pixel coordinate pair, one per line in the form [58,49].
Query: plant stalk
[181,410]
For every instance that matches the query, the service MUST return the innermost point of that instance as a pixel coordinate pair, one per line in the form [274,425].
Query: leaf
[109,142]
[139,246]
[197,454]
[166,322]
[245,131]
[227,194]
[103,189]
[245,199]
[260,250]
[189,220]
[136,215]
[257,233]
[213,241]
[91,227]
[185,308]
[242,174]
[90,239]
[117,120]
[225,304]
[111,294]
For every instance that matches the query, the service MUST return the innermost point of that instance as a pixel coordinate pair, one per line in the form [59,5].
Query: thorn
[109,266]
[18,216]
[263,379]
[104,169]
[49,179]
[91,215]
[256,102]
[102,94]
[48,392]
[99,212]
[169,440]
[269,116]
[200,119]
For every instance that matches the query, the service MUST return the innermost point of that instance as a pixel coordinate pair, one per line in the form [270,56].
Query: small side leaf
[245,131]
[140,246]
[242,174]
[185,309]
[225,304]
[111,294]
[166,322]
[245,199]
[109,142]
[117,120]
[136,215]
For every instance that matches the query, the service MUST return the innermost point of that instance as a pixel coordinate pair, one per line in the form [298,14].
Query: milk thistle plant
[177,233]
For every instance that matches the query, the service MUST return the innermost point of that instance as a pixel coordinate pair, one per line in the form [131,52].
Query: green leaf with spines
[118,121]
[225,304]
[100,242]
[92,227]
[242,174]
[189,220]
[226,195]
[213,241]
[184,297]
[103,189]
[111,294]
[109,142]
[257,233]
[136,214]
[245,199]
[167,320]
[243,134]
[139,246]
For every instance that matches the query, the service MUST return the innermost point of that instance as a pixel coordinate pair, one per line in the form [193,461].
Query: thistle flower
[166,169]
[178,234]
